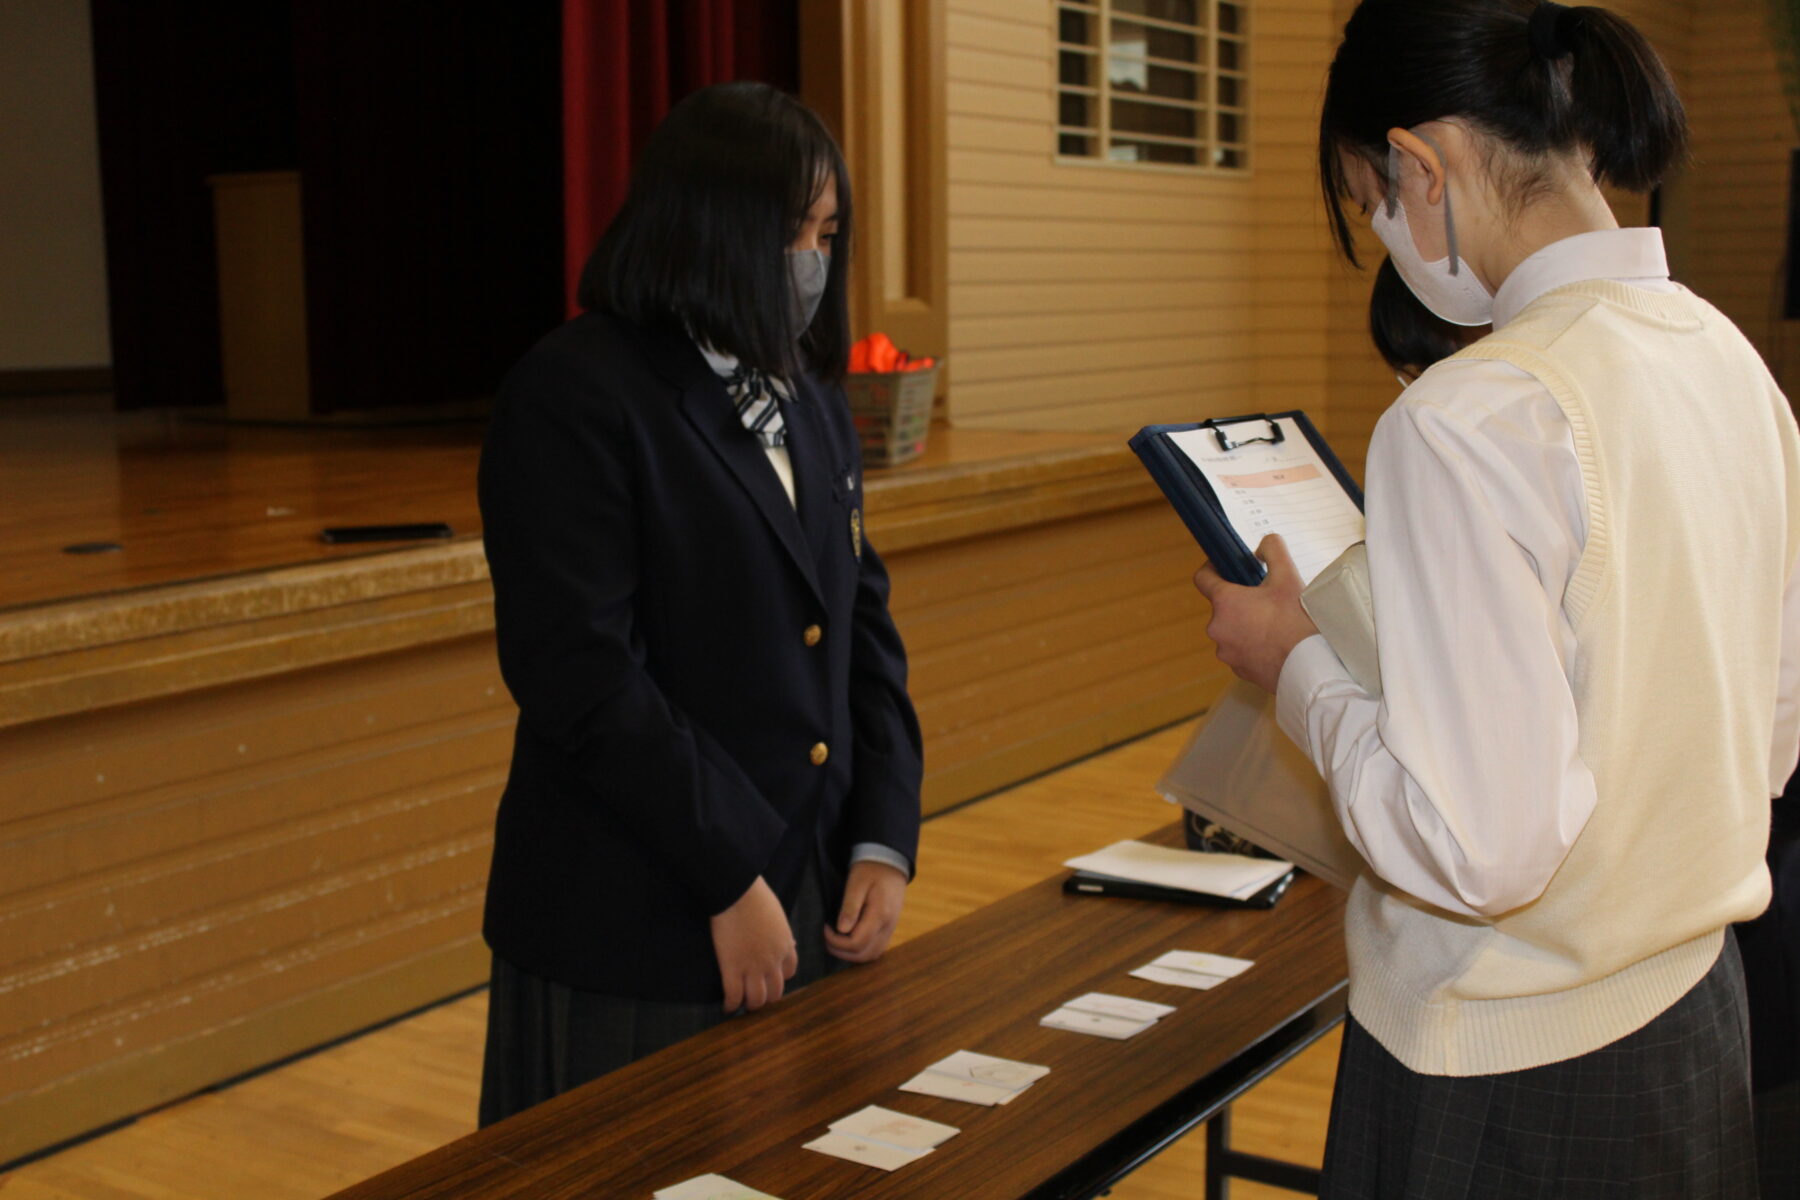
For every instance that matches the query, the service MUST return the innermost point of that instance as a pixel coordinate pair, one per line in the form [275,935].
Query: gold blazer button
[813,635]
[820,752]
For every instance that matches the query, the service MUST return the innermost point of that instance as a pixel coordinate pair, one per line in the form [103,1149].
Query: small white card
[1076,1021]
[948,1087]
[868,1153]
[878,1124]
[1174,978]
[1012,1075]
[711,1187]
[1205,964]
[1124,1007]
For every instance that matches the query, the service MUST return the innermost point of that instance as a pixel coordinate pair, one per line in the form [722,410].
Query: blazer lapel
[815,469]
[707,407]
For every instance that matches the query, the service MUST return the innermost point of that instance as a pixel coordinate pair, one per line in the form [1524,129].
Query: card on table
[878,1124]
[1076,1021]
[949,1087]
[868,1153]
[1125,1007]
[1186,979]
[984,1068]
[1205,964]
[711,1187]
[975,1078]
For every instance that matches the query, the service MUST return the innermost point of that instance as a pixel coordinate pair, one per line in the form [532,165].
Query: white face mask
[1446,286]
[810,271]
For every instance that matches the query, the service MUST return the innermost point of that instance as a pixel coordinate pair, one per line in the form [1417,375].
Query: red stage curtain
[624,63]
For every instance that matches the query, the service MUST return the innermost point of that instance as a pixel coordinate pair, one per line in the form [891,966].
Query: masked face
[809,271]
[1446,285]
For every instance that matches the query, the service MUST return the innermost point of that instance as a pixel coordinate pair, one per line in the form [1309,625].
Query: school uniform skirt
[1661,1114]
[544,1038]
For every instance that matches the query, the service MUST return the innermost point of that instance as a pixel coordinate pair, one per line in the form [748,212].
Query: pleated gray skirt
[544,1038]
[1661,1114]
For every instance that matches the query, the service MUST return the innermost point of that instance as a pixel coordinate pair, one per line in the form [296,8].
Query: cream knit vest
[1691,465]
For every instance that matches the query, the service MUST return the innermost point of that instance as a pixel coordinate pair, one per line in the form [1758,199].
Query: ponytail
[1624,104]
[1539,77]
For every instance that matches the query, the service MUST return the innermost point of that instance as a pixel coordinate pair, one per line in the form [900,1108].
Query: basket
[892,412]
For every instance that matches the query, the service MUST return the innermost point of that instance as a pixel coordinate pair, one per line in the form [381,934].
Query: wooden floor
[337,1116]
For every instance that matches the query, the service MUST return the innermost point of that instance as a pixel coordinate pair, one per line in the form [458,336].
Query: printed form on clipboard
[1234,481]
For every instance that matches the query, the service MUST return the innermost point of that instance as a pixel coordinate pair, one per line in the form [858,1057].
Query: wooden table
[741,1099]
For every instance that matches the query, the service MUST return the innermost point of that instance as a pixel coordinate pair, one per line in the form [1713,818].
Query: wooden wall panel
[311,845]
[1030,650]
[1100,298]
[1094,298]
[1086,297]
[1733,212]
[1065,309]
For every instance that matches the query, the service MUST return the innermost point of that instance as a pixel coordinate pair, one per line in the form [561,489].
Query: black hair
[1407,334]
[717,197]
[1539,77]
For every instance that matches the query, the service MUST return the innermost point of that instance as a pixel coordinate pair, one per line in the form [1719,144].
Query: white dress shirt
[1463,785]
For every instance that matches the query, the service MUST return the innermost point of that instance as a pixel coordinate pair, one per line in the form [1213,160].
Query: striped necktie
[758,399]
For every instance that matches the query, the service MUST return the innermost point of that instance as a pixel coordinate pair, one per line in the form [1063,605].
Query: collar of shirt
[1626,255]
[722,364]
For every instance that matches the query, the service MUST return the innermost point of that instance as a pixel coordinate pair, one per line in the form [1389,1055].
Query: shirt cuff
[876,852]
[1310,666]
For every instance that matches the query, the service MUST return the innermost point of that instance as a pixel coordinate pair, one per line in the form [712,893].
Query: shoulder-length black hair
[1541,78]
[1406,333]
[717,197]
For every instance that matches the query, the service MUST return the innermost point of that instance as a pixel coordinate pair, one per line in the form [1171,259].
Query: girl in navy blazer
[714,792]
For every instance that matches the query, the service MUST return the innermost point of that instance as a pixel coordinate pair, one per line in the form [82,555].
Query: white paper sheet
[1241,771]
[1128,1007]
[859,1150]
[1177,978]
[878,1124]
[1007,1073]
[1076,1021]
[1286,488]
[1205,964]
[1234,875]
[976,1078]
[948,1087]
[711,1187]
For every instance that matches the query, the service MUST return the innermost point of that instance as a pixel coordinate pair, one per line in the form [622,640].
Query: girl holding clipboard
[1582,540]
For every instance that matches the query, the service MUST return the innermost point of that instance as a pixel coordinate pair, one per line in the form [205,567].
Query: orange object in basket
[877,355]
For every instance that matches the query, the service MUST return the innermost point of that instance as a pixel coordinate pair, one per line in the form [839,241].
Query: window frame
[1100,94]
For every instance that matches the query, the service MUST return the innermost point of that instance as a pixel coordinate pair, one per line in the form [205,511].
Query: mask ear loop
[1449,219]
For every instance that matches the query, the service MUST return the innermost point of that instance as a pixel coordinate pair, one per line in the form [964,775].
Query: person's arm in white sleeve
[1462,784]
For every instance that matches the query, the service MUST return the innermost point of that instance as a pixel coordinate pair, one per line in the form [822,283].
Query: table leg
[1223,1164]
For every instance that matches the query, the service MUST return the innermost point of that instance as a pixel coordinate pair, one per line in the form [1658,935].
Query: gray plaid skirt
[544,1038]
[1661,1113]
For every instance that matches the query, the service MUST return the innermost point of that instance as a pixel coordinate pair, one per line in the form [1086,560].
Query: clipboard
[1197,502]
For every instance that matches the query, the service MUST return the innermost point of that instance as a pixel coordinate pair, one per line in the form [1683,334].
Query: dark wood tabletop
[741,1099]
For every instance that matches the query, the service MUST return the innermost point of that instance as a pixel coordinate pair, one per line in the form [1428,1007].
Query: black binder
[1198,506]
[1084,883]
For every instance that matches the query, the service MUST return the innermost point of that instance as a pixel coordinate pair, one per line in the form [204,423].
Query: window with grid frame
[1154,81]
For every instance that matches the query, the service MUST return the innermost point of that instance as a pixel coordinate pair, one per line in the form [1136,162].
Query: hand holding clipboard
[1235,480]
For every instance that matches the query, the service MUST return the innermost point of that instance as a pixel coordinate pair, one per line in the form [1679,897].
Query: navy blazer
[709,685]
